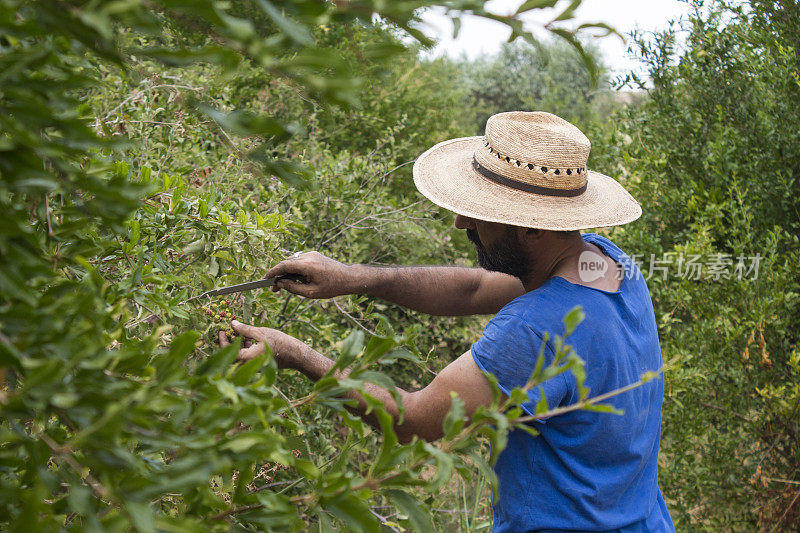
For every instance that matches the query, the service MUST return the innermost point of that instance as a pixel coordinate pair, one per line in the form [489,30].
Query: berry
[216,317]
[227,302]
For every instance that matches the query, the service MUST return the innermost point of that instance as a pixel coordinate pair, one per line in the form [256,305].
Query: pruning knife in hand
[250,285]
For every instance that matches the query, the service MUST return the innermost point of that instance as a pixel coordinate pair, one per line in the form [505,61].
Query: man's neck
[557,257]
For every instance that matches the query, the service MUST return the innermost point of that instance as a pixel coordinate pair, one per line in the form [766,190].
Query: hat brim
[444,174]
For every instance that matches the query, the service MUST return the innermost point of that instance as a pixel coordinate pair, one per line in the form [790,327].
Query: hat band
[527,187]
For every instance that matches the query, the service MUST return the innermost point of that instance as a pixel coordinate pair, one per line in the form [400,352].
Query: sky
[480,36]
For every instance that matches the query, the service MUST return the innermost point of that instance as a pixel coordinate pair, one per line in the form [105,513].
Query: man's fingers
[284,267]
[295,287]
[245,354]
[247,330]
[223,339]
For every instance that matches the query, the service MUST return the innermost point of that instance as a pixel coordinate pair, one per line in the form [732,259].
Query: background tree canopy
[152,150]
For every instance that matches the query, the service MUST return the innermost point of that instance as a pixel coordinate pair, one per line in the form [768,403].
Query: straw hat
[528,170]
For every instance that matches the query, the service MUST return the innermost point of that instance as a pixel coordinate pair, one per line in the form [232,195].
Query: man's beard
[505,256]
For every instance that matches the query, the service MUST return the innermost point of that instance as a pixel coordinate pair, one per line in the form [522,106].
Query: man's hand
[425,409]
[287,350]
[442,291]
[325,277]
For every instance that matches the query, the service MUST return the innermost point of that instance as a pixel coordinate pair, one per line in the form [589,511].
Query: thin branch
[353,319]
[778,523]
[728,411]
[581,404]
[779,480]
[65,453]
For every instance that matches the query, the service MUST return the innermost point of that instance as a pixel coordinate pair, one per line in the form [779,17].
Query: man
[522,192]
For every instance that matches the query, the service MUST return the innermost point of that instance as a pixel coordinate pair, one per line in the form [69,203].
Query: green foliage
[547,77]
[145,150]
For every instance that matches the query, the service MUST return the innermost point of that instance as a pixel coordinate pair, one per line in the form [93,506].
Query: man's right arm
[437,290]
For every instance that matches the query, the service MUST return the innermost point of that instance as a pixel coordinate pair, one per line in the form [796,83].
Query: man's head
[513,250]
[505,255]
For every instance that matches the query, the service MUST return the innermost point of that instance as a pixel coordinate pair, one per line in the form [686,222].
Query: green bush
[548,77]
[145,152]
[713,156]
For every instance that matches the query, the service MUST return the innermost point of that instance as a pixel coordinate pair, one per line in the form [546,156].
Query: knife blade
[250,285]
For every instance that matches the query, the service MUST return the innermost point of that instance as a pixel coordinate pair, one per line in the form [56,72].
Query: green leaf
[213,267]
[293,30]
[227,389]
[376,347]
[530,5]
[242,443]
[603,408]
[352,345]
[574,317]
[220,360]
[385,459]
[142,517]
[541,405]
[244,372]
[354,512]
[226,255]
[444,468]
[246,124]
[307,469]
[455,419]
[420,519]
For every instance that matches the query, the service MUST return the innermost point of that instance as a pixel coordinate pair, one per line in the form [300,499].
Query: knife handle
[292,277]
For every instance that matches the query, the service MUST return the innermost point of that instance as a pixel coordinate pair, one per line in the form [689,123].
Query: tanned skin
[444,291]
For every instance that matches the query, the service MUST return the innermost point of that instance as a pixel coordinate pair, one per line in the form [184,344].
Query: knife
[250,285]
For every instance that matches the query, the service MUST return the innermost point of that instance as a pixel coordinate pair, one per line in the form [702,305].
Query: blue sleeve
[508,350]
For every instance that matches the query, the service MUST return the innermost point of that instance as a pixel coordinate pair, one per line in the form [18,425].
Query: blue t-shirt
[586,471]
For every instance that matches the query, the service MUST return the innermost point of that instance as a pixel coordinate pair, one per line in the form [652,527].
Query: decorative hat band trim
[526,187]
[540,169]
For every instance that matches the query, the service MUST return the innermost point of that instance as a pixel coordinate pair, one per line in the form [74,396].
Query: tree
[549,76]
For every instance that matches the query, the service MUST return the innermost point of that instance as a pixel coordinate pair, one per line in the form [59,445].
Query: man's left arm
[425,409]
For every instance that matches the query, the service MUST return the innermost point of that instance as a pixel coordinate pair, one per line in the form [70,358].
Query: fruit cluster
[222,315]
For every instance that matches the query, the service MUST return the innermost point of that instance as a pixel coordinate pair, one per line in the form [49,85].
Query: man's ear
[529,235]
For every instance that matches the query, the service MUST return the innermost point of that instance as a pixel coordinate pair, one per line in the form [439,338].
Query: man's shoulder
[540,310]
[606,244]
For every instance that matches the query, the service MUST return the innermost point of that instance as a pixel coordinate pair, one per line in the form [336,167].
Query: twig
[779,480]
[296,413]
[236,510]
[348,315]
[775,528]
[47,216]
[65,453]
[287,318]
[275,484]
[140,92]
[383,520]
[719,408]
[357,203]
